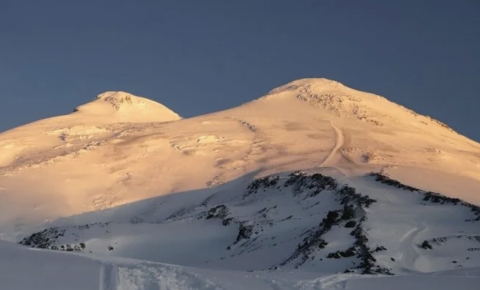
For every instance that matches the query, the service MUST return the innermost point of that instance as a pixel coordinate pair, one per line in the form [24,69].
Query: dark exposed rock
[441,124]
[244,232]
[44,239]
[353,210]
[367,260]
[335,255]
[348,213]
[379,249]
[217,212]
[349,197]
[350,252]
[314,184]
[392,182]
[429,196]
[227,221]
[350,224]
[48,238]
[314,239]
[265,182]
[332,218]
[426,245]
[438,198]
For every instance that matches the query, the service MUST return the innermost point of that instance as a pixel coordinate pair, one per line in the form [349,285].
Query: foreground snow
[46,270]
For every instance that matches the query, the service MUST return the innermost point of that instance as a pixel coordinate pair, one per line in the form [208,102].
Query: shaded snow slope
[363,225]
[46,270]
[289,231]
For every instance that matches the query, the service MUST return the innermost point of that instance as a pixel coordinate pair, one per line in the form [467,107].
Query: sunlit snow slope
[121,148]
[124,176]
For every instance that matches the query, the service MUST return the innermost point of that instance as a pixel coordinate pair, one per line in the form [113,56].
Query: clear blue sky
[202,56]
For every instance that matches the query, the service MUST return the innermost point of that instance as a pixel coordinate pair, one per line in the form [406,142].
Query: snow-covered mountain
[310,187]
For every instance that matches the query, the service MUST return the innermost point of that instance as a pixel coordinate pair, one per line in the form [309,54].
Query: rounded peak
[119,99]
[339,100]
[321,83]
[320,90]
[114,95]
[128,108]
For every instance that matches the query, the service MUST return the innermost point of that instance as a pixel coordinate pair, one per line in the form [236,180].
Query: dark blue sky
[202,56]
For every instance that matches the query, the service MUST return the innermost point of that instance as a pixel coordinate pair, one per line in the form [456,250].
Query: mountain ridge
[87,162]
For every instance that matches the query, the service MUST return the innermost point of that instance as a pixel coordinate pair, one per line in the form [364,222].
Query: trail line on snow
[336,281]
[108,277]
[409,249]
[141,275]
[338,144]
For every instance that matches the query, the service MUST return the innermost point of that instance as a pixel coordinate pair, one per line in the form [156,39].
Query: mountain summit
[342,101]
[127,107]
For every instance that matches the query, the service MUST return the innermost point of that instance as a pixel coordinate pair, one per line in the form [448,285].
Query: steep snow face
[128,108]
[120,149]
